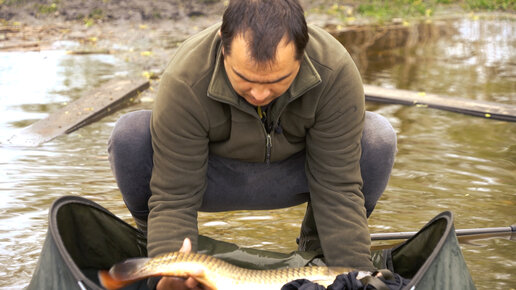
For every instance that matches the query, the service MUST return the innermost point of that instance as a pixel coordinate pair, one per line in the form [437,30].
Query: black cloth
[350,282]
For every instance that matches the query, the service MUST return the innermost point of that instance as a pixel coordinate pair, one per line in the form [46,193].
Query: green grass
[347,10]
[491,5]
[381,10]
[395,8]
[47,8]
[413,8]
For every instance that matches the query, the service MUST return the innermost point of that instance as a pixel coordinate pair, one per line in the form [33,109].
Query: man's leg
[130,156]
[237,185]
[234,184]
[378,151]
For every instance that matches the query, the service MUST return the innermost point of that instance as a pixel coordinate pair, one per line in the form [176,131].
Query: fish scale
[217,274]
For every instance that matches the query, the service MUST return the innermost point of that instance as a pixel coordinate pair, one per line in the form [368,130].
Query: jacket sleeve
[180,143]
[333,170]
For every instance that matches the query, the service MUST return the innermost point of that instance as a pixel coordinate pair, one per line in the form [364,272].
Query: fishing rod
[479,233]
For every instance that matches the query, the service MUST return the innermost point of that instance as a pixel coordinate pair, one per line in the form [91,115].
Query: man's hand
[173,283]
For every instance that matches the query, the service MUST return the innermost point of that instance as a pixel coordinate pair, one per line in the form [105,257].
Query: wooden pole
[477,233]
[477,108]
[112,95]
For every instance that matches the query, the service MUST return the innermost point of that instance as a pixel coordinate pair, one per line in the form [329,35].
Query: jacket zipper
[268,144]
[268,137]
[268,149]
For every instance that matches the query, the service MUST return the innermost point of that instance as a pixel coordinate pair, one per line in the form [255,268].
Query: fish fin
[130,269]
[110,283]
[123,274]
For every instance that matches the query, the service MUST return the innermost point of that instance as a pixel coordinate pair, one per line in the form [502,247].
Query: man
[261,112]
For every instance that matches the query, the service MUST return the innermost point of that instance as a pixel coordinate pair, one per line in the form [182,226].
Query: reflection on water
[446,161]
[33,84]
[470,59]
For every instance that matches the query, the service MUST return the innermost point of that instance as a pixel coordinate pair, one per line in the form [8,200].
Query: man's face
[260,84]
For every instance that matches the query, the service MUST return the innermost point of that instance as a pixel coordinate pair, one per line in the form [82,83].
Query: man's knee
[379,135]
[130,157]
[131,133]
[378,152]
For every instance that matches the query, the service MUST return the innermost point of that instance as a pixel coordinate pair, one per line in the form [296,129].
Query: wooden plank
[92,106]
[20,45]
[477,108]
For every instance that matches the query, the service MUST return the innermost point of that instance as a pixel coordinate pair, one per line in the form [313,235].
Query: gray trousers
[237,185]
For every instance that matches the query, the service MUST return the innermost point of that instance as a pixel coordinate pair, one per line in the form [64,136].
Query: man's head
[263,44]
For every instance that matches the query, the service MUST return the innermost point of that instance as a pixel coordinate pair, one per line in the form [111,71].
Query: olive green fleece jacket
[197,112]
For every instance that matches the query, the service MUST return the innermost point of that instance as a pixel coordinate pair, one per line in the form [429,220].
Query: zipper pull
[268,149]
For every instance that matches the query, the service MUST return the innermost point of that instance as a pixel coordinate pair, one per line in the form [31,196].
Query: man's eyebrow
[261,82]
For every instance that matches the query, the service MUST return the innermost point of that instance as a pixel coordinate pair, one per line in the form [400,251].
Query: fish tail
[122,274]
[110,283]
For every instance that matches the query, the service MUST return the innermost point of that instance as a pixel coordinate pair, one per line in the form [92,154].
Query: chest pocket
[220,124]
[295,125]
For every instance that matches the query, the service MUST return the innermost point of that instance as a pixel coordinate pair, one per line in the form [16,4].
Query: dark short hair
[267,22]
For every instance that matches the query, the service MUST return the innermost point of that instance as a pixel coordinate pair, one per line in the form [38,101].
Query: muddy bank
[146,33]
[95,11]
[143,32]
[103,10]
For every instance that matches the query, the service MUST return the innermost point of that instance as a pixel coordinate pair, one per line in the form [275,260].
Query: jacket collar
[220,88]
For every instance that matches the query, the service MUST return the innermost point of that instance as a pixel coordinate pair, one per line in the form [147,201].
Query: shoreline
[149,44]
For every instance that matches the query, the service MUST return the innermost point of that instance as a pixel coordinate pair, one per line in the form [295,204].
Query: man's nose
[260,93]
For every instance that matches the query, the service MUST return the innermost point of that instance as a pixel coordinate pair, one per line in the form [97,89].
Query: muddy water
[446,161]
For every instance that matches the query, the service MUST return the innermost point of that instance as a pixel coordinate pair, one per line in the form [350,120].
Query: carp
[216,274]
